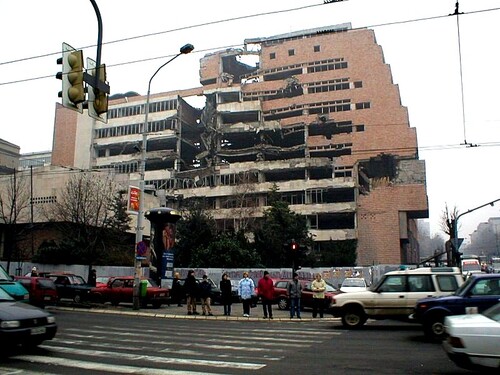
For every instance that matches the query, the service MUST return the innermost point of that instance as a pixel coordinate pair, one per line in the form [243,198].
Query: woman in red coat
[265,287]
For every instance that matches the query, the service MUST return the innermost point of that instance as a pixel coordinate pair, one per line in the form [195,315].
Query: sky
[447,71]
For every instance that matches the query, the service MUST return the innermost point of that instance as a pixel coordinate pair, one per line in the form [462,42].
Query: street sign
[140,250]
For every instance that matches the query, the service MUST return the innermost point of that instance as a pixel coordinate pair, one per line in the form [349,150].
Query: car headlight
[51,319]
[10,324]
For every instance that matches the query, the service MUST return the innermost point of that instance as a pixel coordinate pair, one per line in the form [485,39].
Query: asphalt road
[118,342]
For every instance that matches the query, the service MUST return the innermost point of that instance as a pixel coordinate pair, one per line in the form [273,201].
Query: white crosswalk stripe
[143,350]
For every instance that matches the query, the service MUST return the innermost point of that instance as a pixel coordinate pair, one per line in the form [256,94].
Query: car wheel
[283,303]
[115,303]
[77,298]
[354,317]
[156,305]
[434,328]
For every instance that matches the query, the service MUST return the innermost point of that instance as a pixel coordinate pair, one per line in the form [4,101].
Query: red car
[42,290]
[121,289]
[281,298]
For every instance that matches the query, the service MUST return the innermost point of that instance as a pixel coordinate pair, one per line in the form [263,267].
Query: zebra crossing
[167,347]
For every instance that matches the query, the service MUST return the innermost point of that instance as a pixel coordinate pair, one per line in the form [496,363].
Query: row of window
[139,109]
[42,200]
[153,126]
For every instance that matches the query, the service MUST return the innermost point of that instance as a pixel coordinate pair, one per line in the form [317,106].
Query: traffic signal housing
[73,88]
[98,92]
[294,246]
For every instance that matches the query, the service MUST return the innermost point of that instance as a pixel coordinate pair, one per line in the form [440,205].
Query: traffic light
[98,97]
[294,245]
[73,89]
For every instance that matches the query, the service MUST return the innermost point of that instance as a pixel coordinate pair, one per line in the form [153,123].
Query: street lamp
[142,169]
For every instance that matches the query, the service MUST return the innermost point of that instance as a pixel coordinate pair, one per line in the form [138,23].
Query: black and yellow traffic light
[98,92]
[73,87]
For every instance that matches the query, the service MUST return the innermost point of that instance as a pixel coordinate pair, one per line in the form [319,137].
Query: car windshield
[77,280]
[493,313]
[330,288]
[464,286]
[354,282]
[4,276]
[5,297]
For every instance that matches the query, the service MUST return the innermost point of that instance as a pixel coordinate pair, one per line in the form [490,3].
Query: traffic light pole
[455,229]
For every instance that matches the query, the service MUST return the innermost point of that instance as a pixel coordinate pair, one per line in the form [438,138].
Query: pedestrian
[34,272]
[294,292]
[205,292]
[226,294]
[93,277]
[318,286]
[246,290]
[191,289]
[176,291]
[265,286]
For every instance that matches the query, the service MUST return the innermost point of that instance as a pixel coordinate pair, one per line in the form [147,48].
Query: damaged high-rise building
[314,112]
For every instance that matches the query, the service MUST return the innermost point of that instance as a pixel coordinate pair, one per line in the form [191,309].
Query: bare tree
[84,210]
[14,204]
[448,226]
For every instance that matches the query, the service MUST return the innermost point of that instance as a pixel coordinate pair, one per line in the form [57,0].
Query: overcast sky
[420,43]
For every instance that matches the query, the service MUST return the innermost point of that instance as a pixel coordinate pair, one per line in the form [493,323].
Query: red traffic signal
[294,245]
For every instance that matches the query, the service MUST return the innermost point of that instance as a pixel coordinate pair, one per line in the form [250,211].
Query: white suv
[395,295]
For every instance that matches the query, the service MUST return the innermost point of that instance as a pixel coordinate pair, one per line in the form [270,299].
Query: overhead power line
[214,48]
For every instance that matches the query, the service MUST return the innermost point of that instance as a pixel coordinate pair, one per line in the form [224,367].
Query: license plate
[47,298]
[38,331]
[162,295]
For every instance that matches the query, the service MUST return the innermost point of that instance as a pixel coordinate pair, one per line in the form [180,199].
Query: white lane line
[101,367]
[156,359]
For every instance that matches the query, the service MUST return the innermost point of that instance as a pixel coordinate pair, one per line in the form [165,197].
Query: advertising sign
[134,194]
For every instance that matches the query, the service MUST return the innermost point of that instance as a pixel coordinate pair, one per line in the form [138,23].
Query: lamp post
[142,169]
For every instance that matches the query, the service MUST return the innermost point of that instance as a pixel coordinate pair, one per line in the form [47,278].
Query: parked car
[42,290]
[473,340]
[21,323]
[353,284]
[13,287]
[395,295]
[121,290]
[478,293]
[283,301]
[102,281]
[70,286]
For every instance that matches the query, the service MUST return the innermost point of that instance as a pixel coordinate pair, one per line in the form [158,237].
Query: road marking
[119,369]
[156,359]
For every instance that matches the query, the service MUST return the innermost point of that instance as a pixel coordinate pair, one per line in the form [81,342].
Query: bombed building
[313,112]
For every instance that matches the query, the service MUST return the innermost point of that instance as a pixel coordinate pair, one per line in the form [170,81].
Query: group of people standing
[247,292]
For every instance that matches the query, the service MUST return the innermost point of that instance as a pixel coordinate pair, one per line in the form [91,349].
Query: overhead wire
[492,144]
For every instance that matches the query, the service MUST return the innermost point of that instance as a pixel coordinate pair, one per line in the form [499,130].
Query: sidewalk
[176,312]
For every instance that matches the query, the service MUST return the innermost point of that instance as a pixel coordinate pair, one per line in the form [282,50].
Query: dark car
[478,293]
[70,286]
[21,323]
[42,290]
[121,290]
[283,301]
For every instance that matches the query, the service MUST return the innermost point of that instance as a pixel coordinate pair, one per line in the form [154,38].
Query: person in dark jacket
[205,292]
[176,291]
[226,294]
[294,292]
[191,289]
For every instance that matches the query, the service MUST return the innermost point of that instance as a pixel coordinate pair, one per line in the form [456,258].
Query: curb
[189,317]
